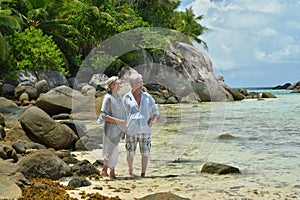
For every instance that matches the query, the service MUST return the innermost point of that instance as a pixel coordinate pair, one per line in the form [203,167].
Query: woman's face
[115,87]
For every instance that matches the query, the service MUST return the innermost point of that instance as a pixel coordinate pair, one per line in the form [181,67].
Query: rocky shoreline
[46,117]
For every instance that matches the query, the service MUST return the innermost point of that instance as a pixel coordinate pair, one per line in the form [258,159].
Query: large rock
[43,129]
[9,189]
[7,90]
[163,196]
[7,106]
[43,164]
[236,95]
[64,99]
[185,70]
[53,78]
[10,110]
[11,180]
[199,68]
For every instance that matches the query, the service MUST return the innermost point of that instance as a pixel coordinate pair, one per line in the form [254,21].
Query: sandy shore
[172,177]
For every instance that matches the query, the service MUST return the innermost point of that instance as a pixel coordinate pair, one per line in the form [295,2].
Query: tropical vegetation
[59,34]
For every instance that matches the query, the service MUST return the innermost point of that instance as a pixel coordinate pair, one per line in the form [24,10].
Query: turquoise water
[266,147]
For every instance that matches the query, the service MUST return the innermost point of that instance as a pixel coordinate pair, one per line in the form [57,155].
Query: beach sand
[173,178]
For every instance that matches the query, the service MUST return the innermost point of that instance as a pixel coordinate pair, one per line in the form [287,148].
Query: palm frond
[65,44]
[107,16]
[8,24]
[58,27]
[62,34]
[4,48]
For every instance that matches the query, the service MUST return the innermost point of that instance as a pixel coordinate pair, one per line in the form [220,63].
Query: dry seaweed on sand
[42,188]
[45,189]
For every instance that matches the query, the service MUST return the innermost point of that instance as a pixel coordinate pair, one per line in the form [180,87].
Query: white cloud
[266,32]
[246,35]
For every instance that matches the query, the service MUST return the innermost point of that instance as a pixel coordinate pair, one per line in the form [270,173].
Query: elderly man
[142,113]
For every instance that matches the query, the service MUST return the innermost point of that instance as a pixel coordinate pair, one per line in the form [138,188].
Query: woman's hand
[121,122]
[123,135]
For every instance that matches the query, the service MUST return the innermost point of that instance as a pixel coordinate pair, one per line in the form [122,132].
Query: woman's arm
[115,120]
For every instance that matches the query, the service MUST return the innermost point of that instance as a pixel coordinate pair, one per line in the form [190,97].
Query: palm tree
[187,23]
[50,17]
[90,18]
[8,24]
[157,12]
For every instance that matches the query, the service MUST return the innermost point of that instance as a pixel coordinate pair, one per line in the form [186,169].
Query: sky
[251,43]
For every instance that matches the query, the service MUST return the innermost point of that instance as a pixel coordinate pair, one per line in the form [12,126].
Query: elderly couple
[132,116]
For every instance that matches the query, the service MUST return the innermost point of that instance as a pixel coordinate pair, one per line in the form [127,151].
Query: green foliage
[157,12]
[78,26]
[128,19]
[8,23]
[93,24]
[31,50]
[3,48]
[50,17]
[187,23]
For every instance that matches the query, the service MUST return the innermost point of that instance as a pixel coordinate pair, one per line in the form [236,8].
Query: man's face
[138,84]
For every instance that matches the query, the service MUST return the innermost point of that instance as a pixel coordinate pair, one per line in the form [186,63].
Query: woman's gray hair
[109,82]
[133,77]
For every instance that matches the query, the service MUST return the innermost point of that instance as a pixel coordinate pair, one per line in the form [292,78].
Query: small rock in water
[226,137]
[217,168]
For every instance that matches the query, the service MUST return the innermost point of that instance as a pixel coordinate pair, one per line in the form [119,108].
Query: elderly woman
[113,116]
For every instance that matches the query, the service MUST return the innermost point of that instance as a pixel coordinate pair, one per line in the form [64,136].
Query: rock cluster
[295,87]
[35,143]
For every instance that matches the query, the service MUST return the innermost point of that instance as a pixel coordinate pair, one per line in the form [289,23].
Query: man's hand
[152,121]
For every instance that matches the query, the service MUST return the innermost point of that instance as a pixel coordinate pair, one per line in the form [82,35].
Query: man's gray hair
[133,77]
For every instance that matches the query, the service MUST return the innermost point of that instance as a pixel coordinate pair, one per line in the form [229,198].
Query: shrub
[31,50]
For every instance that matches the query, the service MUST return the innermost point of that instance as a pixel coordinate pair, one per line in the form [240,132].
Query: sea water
[265,142]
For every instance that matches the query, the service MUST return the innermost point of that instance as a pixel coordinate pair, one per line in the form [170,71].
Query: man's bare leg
[144,165]
[130,165]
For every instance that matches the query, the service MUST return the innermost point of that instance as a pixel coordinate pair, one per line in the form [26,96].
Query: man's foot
[129,175]
[143,175]
[103,174]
